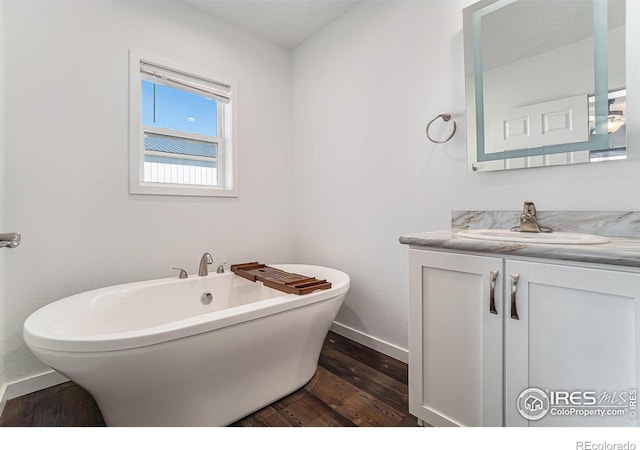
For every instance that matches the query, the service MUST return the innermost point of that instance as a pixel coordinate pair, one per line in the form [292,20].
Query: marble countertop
[619,252]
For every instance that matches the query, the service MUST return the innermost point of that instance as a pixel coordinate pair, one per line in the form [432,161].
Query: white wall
[364,89]
[2,220]
[67,111]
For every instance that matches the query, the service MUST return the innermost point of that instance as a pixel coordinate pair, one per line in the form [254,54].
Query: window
[182,130]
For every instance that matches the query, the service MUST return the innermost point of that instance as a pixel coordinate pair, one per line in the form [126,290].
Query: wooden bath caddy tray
[291,283]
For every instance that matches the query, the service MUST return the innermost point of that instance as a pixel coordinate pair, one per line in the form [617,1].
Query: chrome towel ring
[446,118]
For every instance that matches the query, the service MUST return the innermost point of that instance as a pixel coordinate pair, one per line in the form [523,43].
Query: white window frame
[227,140]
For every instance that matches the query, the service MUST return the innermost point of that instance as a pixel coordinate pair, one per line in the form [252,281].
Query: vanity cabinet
[576,331]
[482,329]
[455,341]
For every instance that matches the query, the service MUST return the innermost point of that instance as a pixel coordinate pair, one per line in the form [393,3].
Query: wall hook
[446,118]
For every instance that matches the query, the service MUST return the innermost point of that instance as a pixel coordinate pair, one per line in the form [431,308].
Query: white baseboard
[376,344]
[34,383]
[3,397]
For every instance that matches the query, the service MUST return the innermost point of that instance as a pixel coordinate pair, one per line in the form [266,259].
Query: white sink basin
[534,238]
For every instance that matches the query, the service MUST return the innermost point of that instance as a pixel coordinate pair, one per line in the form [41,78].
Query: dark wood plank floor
[354,386]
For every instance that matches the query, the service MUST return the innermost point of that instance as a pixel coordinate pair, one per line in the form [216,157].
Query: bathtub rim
[87,343]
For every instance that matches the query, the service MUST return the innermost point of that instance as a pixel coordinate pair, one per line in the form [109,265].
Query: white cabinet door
[455,341]
[570,332]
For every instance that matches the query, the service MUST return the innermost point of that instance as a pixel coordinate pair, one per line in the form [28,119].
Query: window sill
[184,190]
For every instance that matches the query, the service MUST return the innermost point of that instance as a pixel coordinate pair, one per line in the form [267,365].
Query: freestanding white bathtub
[152,354]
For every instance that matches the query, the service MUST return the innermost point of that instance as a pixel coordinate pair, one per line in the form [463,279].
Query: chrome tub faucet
[203,269]
[221,267]
[183,273]
[529,221]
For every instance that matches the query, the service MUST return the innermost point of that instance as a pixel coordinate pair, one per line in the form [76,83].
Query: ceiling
[286,23]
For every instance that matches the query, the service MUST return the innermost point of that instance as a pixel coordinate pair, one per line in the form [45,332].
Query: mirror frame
[478,159]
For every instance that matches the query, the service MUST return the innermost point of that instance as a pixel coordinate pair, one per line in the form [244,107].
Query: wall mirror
[545,82]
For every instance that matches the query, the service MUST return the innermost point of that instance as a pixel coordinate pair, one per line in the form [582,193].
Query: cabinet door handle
[514,293]
[492,292]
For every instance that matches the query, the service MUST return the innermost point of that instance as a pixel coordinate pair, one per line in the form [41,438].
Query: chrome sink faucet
[203,269]
[529,221]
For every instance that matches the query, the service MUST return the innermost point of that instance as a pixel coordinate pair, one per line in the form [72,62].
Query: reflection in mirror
[545,82]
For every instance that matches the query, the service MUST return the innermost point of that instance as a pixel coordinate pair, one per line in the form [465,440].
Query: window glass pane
[184,162]
[174,109]
[179,146]
[179,162]
[180,171]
